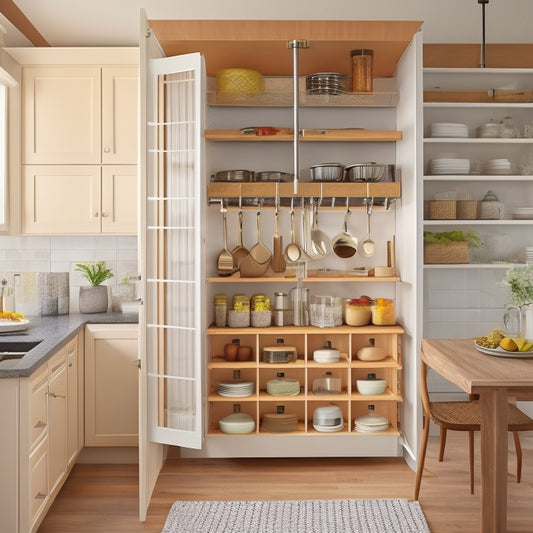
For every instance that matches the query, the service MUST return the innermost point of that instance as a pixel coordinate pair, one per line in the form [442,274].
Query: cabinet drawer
[38,410]
[38,479]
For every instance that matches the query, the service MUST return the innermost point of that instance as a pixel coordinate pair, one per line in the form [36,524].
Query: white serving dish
[13,325]
[237,424]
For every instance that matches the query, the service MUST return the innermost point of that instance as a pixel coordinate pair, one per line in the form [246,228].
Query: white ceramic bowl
[237,424]
[369,387]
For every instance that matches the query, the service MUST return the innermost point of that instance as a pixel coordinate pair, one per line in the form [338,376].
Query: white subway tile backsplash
[29,255]
[453,298]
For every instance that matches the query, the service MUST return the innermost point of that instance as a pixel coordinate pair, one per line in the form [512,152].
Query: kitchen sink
[16,349]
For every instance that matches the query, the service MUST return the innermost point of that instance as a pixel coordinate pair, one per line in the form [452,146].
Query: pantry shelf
[315,136]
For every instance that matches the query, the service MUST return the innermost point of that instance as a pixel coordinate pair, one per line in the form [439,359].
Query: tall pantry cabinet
[79,149]
[180,235]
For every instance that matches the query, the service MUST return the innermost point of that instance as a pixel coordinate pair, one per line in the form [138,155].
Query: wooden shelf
[315,136]
[337,277]
[302,330]
[218,189]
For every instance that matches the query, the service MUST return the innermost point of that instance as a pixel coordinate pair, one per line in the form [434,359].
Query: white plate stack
[497,166]
[529,255]
[236,390]
[448,129]
[371,423]
[450,166]
[522,213]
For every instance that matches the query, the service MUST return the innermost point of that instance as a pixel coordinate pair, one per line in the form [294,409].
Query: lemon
[527,347]
[508,344]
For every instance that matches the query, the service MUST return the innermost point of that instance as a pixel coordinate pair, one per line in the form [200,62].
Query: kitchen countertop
[53,332]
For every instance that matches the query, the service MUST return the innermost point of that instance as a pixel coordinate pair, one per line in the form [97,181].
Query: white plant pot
[93,299]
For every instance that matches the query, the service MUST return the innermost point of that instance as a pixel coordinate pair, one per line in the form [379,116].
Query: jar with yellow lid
[260,302]
[384,312]
[358,311]
[241,302]
[221,309]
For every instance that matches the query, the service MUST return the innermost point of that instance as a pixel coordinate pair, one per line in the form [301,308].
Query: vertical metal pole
[482,2]
[295,45]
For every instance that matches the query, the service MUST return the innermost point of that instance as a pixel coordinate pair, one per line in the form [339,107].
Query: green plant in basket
[95,273]
[445,238]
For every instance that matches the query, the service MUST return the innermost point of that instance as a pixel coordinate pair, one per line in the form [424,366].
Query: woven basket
[467,209]
[442,209]
[445,254]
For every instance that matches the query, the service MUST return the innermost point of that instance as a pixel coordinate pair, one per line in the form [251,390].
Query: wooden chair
[462,416]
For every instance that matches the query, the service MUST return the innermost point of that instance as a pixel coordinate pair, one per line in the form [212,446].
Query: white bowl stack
[498,166]
[529,255]
[448,129]
[522,213]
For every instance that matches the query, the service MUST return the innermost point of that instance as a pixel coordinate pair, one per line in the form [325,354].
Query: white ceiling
[117,22]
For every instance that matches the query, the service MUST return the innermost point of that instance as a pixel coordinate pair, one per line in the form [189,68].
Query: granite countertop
[53,332]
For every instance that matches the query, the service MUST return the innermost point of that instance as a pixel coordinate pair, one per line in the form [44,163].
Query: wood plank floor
[103,498]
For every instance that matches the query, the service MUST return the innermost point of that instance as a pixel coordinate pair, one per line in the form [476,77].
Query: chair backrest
[424,394]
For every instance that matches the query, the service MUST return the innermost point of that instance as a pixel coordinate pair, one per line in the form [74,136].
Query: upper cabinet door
[120,95]
[119,199]
[61,119]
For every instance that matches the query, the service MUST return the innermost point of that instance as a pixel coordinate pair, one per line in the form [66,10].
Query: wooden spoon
[225,264]
[278,263]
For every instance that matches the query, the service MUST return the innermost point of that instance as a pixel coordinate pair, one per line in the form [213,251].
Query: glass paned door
[174,236]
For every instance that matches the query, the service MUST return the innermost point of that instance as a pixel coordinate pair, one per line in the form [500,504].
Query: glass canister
[490,208]
[362,70]
[384,312]
[221,309]
[358,311]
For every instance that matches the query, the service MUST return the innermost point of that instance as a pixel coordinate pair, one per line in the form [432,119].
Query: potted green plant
[449,247]
[94,298]
[520,304]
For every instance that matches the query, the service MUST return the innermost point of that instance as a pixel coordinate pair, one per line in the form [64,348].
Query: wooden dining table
[495,379]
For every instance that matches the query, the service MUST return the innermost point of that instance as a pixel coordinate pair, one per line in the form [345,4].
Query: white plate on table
[500,352]
[13,325]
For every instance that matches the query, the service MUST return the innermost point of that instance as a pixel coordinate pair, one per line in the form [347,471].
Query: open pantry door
[172,221]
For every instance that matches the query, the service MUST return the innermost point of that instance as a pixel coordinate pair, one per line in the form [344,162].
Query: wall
[28,255]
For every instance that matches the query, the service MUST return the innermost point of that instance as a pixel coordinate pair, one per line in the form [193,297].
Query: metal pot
[343,244]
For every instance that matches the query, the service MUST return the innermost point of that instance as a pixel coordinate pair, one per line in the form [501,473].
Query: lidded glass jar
[384,312]
[221,308]
[490,208]
[358,311]
[362,70]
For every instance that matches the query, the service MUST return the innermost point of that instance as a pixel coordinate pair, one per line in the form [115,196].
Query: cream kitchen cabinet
[80,199]
[111,385]
[49,414]
[80,114]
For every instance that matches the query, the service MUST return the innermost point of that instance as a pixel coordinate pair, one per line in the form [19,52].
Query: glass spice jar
[384,312]
[362,70]
[221,308]
[358,311]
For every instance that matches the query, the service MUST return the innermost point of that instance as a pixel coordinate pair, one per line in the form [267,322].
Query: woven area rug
[297,516]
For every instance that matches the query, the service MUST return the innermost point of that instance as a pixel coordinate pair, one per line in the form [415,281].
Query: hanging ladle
[239,252]
[259,252]
[293,252]
[368,246]
[344,245]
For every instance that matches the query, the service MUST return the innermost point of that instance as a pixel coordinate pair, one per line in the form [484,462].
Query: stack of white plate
[529,255]
[236,389]
[450,166]
[497,166]
[448,129]
[522,213]
[371,423]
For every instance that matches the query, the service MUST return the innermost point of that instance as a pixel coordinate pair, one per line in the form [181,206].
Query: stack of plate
[450,166]
[371,423]
[497,166]
[448,129]
[236,389]
[522,213]
[529,255]
[326,83]
[279,422]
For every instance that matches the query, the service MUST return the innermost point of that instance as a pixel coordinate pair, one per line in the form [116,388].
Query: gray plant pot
[93,299]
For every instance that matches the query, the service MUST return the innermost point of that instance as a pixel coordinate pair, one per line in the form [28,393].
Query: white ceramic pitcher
[524,318]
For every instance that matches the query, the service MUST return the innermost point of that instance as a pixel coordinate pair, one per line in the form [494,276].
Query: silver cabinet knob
[107,150]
